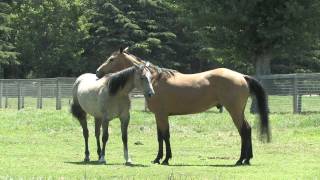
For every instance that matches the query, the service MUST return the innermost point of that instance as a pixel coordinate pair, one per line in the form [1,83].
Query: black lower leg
[85,133]
[248,146]
[242,154]
[105,137]
[98,148]
[166,138]
[160,150]
[97,134]
[86,137]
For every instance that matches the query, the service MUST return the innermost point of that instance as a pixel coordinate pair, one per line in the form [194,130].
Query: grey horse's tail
[75,107]
[262,103]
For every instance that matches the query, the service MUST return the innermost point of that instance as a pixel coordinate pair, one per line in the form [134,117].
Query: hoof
[129,163]
[166,163]
[86,159]
[156,161]
[102,161]
[238,163]
[246,162]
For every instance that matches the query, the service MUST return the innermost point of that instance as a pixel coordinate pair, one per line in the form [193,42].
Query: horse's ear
[121,50]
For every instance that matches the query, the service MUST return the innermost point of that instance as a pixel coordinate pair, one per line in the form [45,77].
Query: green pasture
[278,104]
[48,144]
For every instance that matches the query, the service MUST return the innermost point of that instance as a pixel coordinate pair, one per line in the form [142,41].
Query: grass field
[48,144]
[278,104]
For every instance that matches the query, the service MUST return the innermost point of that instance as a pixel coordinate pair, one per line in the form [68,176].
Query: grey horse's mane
[119,79]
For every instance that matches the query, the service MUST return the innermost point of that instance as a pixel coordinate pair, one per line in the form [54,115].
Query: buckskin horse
[106,99]
[180,94]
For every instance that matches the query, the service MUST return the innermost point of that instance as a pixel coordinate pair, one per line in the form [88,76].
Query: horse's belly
[190,107]
[89,105]
[179,104]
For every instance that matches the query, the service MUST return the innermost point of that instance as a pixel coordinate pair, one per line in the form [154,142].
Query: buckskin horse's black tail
[263,108]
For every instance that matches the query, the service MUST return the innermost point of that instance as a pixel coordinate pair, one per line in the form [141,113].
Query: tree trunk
[262,68]
[263,64]
[1,72]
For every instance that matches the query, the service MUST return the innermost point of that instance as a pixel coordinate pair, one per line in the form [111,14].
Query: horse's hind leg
[81,116]
[85,132]
[244,130]
[97,124]
[124,131]
[105,137]
[246,144]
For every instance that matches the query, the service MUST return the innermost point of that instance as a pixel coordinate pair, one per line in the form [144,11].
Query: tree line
[50,38]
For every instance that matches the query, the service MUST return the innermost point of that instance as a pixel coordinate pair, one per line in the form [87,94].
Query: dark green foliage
[148,27]
[8,55]
[48,38]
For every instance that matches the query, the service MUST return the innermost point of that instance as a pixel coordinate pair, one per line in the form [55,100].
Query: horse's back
[216,77]
[86,90]
[89,79]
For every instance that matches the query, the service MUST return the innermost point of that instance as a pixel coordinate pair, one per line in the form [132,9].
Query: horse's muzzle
[150,94]
[98,74]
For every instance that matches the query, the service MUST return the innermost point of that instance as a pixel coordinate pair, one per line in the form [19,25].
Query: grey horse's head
[143,80]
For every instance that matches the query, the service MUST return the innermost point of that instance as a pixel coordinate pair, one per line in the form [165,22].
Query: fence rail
[304,90]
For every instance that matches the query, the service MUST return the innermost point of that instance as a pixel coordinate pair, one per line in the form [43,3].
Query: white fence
[287,92]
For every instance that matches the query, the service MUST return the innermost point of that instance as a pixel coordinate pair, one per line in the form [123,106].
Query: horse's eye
[111,60]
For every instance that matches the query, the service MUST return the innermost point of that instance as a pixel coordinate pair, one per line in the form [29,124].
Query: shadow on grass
[111,164]
[204,165]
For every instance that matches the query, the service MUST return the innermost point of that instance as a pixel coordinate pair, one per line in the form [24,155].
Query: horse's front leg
[163,135]
[105,137]
[160,147]
[124,130]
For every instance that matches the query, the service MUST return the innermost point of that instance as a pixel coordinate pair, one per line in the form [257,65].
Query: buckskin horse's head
[118,61]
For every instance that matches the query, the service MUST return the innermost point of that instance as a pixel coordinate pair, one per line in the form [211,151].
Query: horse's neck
[128,87]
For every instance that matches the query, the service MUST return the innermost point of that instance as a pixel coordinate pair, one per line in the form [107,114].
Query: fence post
[296,97]
[19,94]
[145,105]
[22,94]
[299,103]
[221,109]
[39,99]
[58,95]
[6,92]
[1,92]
